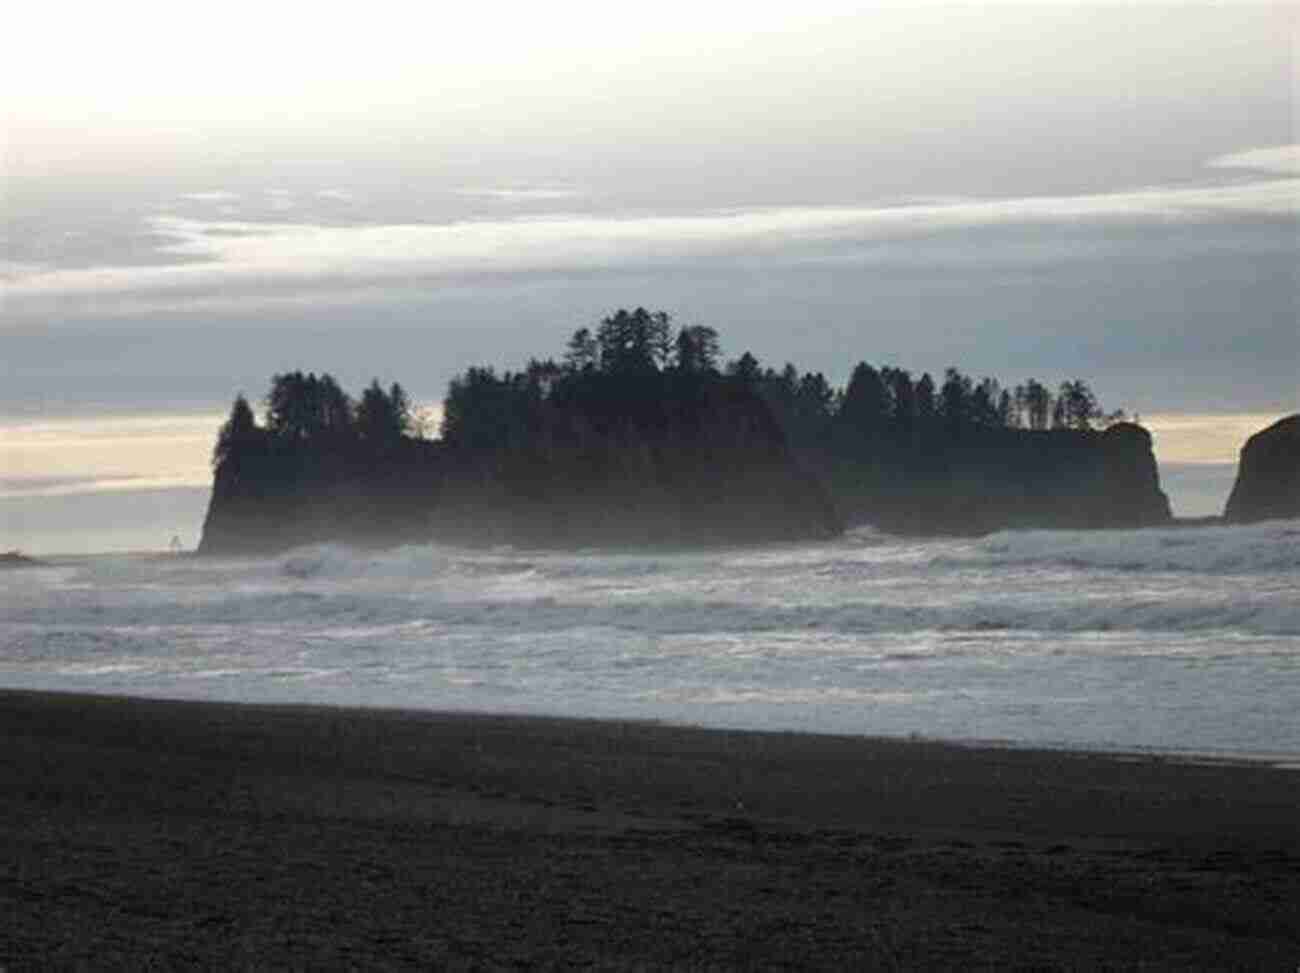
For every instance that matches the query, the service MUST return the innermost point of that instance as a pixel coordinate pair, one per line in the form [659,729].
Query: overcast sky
[193,202]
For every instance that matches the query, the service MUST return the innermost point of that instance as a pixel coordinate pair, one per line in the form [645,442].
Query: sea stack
[1268,475]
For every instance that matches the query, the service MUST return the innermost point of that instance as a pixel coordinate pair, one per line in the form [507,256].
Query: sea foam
[1160,637]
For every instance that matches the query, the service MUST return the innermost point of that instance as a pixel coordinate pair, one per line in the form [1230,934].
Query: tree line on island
[641,430]
[628,364]
[315,412]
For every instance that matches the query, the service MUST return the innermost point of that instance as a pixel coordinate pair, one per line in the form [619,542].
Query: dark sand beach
[144,834]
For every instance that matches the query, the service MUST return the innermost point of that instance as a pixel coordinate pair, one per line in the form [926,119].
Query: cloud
[238,261]
[53,486]
[230,231]
[1284,159]
[13,270]
[508,195]
[214,196]
[1201,438]
[96,454]
[280,200]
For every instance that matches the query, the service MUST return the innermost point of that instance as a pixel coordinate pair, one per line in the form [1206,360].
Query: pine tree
[237,434]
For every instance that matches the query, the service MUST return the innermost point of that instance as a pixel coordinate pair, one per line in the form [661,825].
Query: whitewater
[1178,640]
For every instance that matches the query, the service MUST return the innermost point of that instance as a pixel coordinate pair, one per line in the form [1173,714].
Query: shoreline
[1199,756]
[185,833]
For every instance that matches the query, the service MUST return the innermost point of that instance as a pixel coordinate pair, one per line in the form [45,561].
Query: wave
[1174,638]
[1272,547]
[1274,613]
[1195,580]
[339,562]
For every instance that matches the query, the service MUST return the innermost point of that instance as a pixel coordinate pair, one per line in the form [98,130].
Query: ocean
[1179,640]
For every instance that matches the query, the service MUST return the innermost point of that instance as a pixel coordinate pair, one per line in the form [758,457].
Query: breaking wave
[1039,581]
[1179,637]
[1255,549]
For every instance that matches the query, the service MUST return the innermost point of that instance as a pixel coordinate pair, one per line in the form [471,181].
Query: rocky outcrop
[718,472]
[273,498]
[713,468]
[1011,478]
[1127,481]
[624,444]
[710,470]
[1268,475]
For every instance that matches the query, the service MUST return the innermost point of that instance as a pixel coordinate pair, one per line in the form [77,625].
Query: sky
[1057,190]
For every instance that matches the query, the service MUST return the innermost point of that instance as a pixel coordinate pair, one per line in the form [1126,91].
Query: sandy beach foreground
[155,834]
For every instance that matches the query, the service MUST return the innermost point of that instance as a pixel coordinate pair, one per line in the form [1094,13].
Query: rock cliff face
[713,471]
[1268,475]
[271,499]
[1013,478]
[719,472]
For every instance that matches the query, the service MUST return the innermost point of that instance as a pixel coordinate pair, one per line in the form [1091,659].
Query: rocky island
[1268,475]
[639,436]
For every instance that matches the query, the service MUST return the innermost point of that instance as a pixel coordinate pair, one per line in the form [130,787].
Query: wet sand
[141,833]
